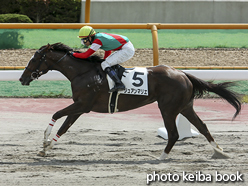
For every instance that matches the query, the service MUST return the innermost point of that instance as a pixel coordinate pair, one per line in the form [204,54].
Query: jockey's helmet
[86,31]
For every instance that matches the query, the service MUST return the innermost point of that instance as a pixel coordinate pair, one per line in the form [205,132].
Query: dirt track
[144,57]
[117,149]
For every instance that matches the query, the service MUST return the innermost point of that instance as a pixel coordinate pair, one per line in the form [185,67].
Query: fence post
[154,31]
[87,11]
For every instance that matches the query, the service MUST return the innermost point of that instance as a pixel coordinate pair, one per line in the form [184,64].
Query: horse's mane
[60,47]
[64,48]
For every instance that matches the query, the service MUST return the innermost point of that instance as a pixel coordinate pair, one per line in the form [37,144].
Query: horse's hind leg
[170,125]
[190,114]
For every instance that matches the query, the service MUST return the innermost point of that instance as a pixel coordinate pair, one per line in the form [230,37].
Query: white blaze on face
[31,59]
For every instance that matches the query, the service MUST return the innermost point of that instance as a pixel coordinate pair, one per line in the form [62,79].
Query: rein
[41,55]
[37,73]
[62,58]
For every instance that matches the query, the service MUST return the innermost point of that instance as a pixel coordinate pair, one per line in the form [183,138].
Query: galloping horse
[173,90]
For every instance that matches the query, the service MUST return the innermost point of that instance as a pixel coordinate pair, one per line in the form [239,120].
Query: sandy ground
[117,149]
[144,57]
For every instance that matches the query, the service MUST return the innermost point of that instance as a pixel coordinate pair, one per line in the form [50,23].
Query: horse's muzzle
[24,82]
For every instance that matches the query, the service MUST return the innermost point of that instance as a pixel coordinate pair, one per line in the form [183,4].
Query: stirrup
[121,87]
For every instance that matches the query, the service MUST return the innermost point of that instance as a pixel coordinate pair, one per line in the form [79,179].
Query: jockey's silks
[110,41]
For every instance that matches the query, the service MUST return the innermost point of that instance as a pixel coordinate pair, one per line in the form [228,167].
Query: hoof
[218,154]
[163,156]
[216,146]
[46,143]
[41,153]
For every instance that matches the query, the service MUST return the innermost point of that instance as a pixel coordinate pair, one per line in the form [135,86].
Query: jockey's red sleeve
[107,54]
[84,55]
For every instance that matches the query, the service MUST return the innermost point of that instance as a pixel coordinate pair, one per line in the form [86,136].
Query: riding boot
[119,86]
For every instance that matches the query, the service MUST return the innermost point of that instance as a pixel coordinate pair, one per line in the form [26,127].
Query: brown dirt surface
[117,149]
[144,57]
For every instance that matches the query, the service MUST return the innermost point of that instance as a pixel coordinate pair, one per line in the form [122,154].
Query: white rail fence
[14,75]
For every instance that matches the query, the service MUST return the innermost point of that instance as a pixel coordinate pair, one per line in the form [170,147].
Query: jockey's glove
[71,53]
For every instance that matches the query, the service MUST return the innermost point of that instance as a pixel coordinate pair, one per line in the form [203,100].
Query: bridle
[37,73]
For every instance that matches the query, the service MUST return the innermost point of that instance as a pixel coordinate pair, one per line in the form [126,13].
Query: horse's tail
[200,87]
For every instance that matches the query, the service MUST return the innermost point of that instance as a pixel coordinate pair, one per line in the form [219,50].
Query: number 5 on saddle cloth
[135,81]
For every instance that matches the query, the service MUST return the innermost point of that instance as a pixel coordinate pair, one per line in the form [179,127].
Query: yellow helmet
[86,31]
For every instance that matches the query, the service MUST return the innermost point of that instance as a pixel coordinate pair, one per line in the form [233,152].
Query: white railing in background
[14,75]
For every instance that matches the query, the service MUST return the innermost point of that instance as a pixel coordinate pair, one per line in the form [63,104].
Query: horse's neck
[71,68]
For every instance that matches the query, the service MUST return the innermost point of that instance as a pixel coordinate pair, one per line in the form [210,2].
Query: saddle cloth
[134,79]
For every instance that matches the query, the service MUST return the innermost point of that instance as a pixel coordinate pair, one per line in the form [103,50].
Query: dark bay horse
[173,90]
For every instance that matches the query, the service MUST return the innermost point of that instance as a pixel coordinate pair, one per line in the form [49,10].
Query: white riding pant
[119,56]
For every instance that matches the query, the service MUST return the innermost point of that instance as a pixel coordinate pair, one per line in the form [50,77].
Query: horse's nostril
[20,80]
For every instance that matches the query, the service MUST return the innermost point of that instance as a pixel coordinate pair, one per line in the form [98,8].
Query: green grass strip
[37,89]
[175,38]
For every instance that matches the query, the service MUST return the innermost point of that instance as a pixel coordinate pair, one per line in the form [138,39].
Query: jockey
[123,48]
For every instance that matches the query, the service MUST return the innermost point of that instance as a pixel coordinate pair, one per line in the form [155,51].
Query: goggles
[84,40]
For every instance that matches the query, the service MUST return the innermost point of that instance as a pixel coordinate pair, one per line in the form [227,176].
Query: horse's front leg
[70,110]
[48,144]
[73,111]
[47,133]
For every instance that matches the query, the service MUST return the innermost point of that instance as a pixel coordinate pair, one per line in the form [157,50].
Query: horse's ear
[48,46]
